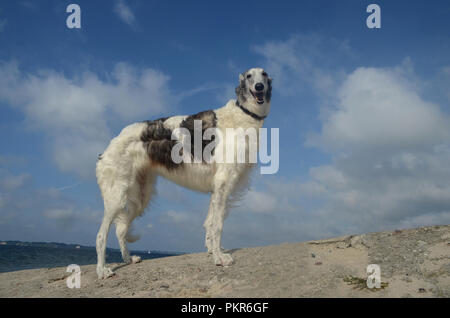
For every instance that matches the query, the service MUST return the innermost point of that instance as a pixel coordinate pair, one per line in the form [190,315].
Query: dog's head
[255,90]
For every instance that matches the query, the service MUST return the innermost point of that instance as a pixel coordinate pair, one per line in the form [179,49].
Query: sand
[413,263]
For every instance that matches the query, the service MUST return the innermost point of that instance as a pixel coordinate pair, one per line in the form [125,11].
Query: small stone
[422,290]
[164,286]
[318,263]
[313,255]
[342,245]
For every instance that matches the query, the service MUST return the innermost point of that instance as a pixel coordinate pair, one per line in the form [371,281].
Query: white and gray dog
[128,168]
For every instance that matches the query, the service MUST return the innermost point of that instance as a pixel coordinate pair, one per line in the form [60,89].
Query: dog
[127,170]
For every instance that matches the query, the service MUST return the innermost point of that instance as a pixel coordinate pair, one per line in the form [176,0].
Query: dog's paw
[210,250]
[222,259]
[208,244]
[135,259]
[105,272]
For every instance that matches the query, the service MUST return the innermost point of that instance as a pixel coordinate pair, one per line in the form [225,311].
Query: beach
[413,263]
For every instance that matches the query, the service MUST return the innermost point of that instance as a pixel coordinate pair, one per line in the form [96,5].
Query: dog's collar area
[245,110]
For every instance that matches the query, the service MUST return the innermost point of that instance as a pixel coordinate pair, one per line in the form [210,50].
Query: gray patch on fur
[240,90]
[209,120]
[157,139]
[269,90]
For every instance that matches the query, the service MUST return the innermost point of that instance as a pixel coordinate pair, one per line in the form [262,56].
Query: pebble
[422,290]
[313,255]
[318,263]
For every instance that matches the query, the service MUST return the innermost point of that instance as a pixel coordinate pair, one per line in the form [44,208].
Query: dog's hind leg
[122,228]
[139,195]
[115,199]
[102,236]
[123,236]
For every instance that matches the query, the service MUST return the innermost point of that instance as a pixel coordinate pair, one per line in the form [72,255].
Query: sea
[17,255]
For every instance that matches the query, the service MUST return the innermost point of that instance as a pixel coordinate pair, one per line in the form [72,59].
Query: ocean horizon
[19,255]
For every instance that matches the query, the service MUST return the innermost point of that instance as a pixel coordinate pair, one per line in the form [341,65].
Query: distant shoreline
[73,245]
[20,255]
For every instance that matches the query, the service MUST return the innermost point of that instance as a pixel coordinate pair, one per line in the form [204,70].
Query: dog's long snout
[259,87]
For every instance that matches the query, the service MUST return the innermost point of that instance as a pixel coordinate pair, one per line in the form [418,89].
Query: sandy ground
[414,263]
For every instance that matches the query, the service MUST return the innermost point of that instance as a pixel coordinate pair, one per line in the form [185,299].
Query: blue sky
[363,113]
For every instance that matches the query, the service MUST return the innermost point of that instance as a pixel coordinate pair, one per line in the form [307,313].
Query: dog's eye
[264,74]
[249,75]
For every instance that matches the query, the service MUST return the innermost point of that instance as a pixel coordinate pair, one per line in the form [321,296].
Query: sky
[363,114]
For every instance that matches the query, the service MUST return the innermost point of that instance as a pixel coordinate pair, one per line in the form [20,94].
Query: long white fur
[125,164]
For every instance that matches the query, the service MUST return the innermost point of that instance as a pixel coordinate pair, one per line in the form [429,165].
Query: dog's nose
[259,87]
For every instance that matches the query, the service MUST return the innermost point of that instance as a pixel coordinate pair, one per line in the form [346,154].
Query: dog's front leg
[216,217]
[208,225]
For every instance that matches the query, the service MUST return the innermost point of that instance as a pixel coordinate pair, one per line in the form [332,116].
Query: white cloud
[30,213]
[124,12]
[172,216]
[76,113]
[391,155]
[389,147]
[11,182]
[259,202]
[302,62]
[376,108]
[58,214]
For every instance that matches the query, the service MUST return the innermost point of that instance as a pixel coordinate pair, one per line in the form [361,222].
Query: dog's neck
[248,112]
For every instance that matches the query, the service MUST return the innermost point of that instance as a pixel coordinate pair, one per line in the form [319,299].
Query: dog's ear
[241,86]
[269,89]
[240,89]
